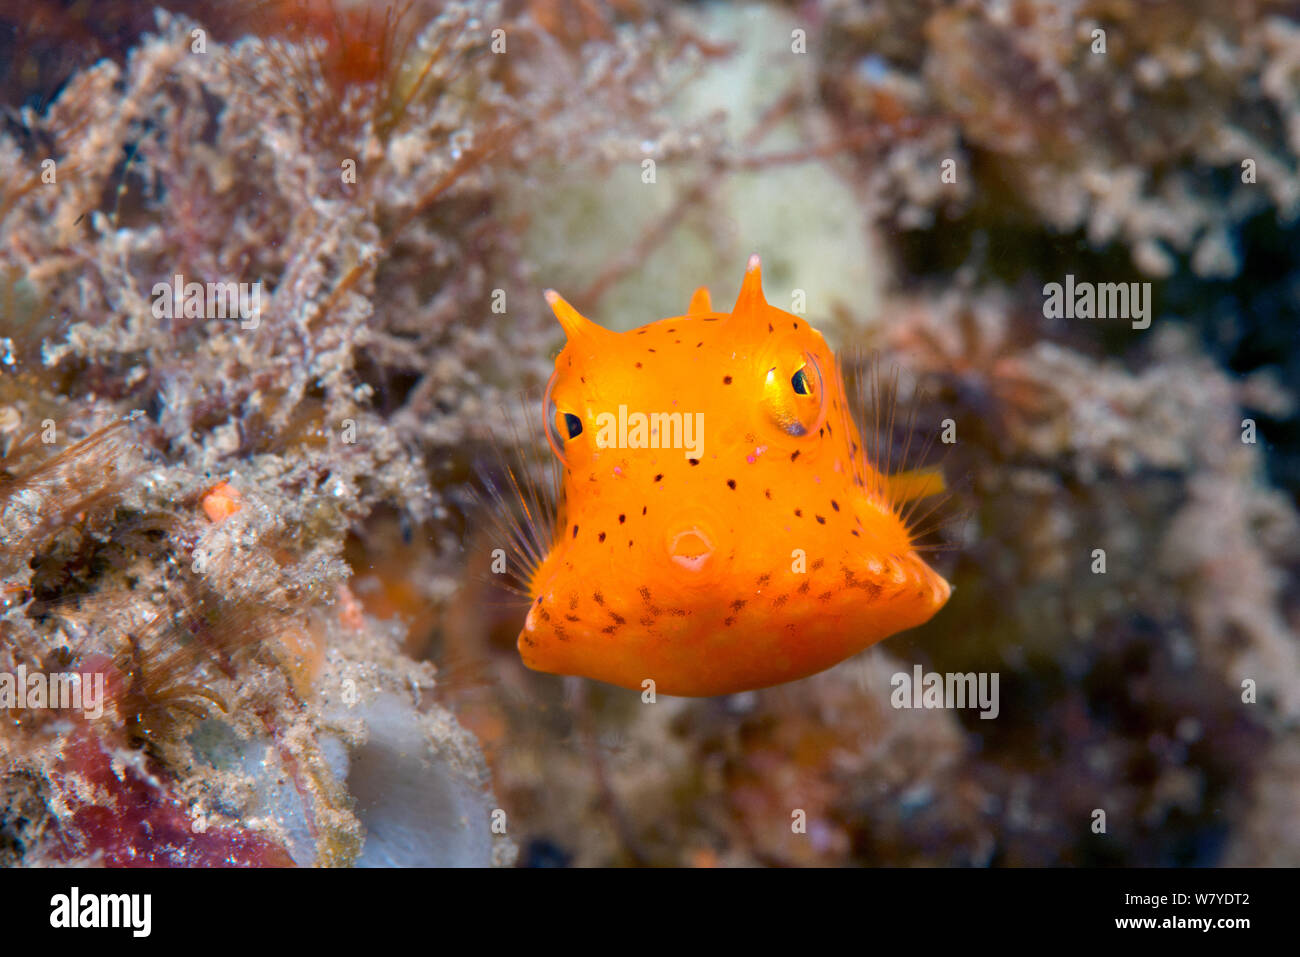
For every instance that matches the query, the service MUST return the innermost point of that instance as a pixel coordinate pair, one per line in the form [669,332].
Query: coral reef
[1111,119]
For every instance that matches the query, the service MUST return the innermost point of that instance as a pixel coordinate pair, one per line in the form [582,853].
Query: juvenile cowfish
[720,527]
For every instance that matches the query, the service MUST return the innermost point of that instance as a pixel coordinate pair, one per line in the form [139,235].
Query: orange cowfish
[720,527]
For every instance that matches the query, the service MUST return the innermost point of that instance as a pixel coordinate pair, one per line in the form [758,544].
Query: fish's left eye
[794,400]
[573,424]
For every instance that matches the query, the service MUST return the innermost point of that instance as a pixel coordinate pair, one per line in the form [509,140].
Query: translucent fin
[897,461]
[517,493]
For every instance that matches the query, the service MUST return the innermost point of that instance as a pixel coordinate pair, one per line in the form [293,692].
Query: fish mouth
[691,548]
[691,543]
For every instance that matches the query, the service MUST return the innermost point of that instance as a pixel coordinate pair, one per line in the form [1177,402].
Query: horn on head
[575,324]
[751,290]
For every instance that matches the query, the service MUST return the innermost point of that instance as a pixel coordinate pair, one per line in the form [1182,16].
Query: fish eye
[793,394]
[561,427]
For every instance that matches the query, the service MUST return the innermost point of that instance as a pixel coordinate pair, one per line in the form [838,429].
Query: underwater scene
[833,433]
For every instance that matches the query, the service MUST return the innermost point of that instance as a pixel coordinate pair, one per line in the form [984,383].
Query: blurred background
[279,560]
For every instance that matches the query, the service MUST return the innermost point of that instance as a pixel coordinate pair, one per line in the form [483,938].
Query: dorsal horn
[751,290]
[574,323]
[701,304]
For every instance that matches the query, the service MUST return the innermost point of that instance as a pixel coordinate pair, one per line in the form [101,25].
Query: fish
[721,524]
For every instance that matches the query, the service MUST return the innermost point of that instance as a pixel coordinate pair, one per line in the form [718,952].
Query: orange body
[757,548]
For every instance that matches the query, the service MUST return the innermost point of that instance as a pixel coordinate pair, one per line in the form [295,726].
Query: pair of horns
[575,324]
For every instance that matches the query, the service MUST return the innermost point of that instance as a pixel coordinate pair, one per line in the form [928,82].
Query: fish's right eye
[573,424]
